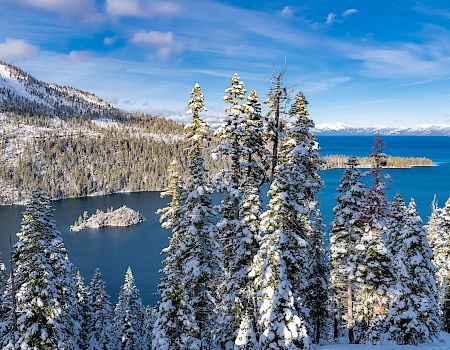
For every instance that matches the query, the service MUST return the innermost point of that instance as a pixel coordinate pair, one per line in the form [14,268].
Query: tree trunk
[277,135]
[351,339]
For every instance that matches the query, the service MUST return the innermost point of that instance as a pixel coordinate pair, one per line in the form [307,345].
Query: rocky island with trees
[121,217]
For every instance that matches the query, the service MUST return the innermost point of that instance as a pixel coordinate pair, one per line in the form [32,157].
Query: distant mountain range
[23,94]
[345,129]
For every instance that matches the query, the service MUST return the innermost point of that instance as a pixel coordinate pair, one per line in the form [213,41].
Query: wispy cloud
[153,38]
[432,11]
[349,12]
[109,40]
[16,49]
[331,18]
[287,11]
[320,85]
[70,8]
[164,42]
[142,8]
[79,56]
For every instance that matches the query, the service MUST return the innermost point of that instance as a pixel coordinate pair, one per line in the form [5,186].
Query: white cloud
[404,61]
[331,17]
[85,8]
[141,8]
[123,7]
[153,38]
[16,49]
[163,41]
[109,40]
[349,12]
[79,56]
[287,11]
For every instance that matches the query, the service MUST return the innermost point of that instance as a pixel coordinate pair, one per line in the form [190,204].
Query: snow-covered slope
[23,94]
[443,343]
[345,129]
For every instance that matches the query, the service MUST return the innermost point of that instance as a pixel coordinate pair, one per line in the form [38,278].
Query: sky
[359,62]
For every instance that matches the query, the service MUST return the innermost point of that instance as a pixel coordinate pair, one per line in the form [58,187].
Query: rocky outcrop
[121,217]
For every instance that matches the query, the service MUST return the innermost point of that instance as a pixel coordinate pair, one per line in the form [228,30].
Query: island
[121,217]
[392,162]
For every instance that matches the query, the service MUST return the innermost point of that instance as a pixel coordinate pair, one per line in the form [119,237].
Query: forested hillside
[80,157]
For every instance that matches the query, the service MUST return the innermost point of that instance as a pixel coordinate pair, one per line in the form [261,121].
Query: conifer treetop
[235,93]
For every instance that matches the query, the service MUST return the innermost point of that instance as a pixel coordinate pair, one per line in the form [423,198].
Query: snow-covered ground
[443,343]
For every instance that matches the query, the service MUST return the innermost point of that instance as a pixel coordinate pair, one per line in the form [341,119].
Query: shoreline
[161,190]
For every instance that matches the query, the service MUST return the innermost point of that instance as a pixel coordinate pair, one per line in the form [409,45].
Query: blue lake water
[113,249]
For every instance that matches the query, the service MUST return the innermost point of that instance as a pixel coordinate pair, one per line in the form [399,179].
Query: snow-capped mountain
[418,130]
[21,93]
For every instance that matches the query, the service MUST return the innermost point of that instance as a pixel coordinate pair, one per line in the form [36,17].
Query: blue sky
[359,62]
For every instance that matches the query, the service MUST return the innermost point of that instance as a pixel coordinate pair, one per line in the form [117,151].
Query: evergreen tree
[176,326]
[242,142]
[315,293]
[413,315]
[5,303]
[45,300]
[247,239]
[282,265]
[129,315]
[316,299]
[84,311]
[229,135]
[374,264]
[149,323]
[346,230]
[445,307]
[433,226]
[395,225]
[442,247]
[200,230]
[100,316]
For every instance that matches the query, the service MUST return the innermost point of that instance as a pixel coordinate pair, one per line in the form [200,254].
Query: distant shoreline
[332,162]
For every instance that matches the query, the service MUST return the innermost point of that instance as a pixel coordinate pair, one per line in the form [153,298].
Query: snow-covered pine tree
[374,264]
[346,230]
[149,322]
[395,225]
[100,315]
[413,316]
[277,100]
[442,247]
[230,136]
[315,292]
[176,326]
[282,265]
[83,307]
[128,322]
[433,225]
[5,303]
[247,239]
[317,296]
[45,299]
[445,307]
[200,228]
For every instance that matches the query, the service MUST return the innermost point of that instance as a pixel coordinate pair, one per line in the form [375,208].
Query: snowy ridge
[347,129]
[22,93]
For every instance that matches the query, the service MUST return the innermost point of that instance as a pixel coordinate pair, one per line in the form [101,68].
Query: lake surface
[114,249]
